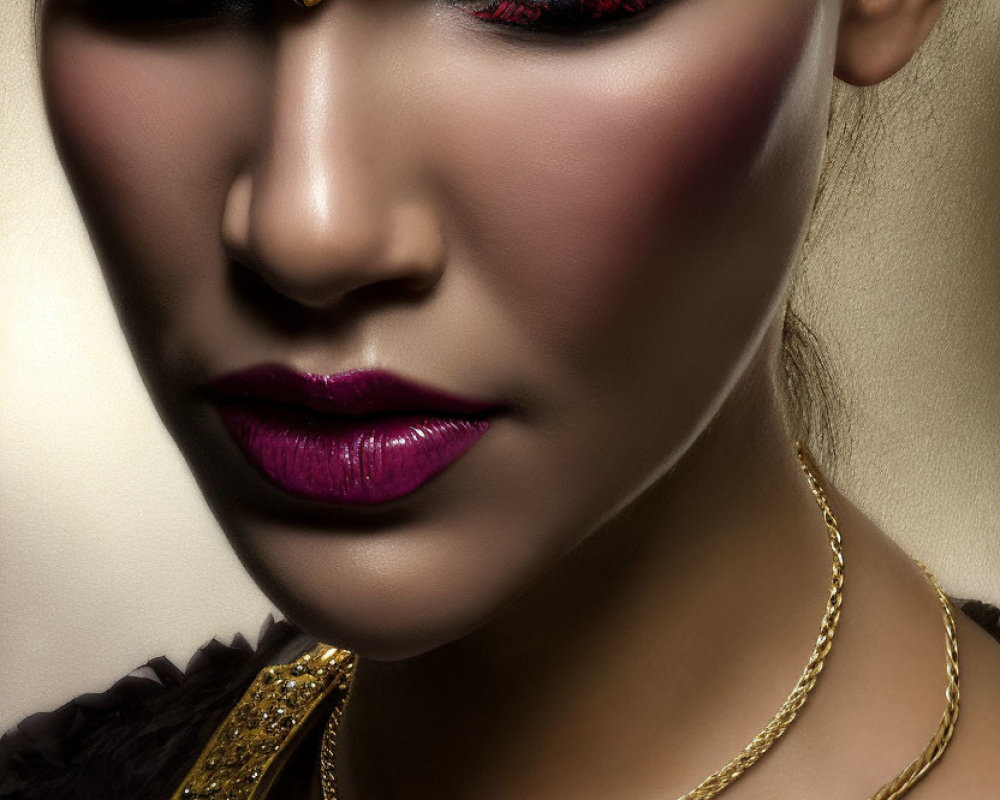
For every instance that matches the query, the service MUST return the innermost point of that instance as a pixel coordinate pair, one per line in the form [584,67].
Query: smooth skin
[615,589]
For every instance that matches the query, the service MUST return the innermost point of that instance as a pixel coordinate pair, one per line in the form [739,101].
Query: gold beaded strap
[247,751]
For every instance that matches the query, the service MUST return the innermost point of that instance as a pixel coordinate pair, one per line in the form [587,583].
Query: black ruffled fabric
[138,740]
[984,614]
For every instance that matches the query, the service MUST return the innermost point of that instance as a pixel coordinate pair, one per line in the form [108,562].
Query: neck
[640,663]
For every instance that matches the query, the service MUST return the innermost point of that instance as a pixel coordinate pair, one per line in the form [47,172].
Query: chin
[386,596]
[385,623]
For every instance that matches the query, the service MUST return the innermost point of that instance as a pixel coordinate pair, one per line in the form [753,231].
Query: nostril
[298,283]
[321,285]
[271,309]
[286,315]
[407,288]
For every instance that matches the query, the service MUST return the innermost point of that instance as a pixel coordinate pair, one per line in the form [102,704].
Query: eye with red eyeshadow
[554,15]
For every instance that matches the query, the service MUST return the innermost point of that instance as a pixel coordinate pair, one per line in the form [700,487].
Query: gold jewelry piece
[923,763]
[245,754]
[308,3]
[773,731]
[931,754]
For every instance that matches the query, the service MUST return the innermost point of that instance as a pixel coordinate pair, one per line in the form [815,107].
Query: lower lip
[348,460]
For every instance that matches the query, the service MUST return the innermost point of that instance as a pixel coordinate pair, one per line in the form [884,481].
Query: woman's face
[590,225]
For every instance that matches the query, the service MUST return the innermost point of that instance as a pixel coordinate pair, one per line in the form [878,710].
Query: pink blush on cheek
[579,179]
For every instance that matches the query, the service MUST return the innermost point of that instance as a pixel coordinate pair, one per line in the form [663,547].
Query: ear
[878,37]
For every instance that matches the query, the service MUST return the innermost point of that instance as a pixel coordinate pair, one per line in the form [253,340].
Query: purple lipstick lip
[353,393]
[361,437]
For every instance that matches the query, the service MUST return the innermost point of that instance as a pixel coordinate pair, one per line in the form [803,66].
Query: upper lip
[352,393]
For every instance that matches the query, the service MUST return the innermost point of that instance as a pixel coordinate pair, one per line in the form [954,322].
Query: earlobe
[878,37]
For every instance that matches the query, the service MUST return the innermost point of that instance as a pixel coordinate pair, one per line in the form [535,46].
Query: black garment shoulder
[140,737]
[984,614]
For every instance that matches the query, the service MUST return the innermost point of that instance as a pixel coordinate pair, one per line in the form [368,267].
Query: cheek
[151,136]
[137,118]
[593,180]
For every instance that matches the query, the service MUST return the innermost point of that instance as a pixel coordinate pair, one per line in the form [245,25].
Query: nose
[328,205]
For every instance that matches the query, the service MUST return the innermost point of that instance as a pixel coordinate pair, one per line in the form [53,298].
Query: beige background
[902,286]
[108,555]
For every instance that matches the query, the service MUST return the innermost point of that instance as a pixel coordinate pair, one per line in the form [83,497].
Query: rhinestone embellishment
[239,761]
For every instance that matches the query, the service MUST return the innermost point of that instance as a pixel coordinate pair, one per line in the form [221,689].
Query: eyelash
[555,15]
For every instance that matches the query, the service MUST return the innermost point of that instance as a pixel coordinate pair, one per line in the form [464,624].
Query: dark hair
[815,404]
[814,407]
[860,119]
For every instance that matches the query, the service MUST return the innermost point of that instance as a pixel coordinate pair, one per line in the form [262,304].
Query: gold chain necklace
[763,741]
[935,748]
